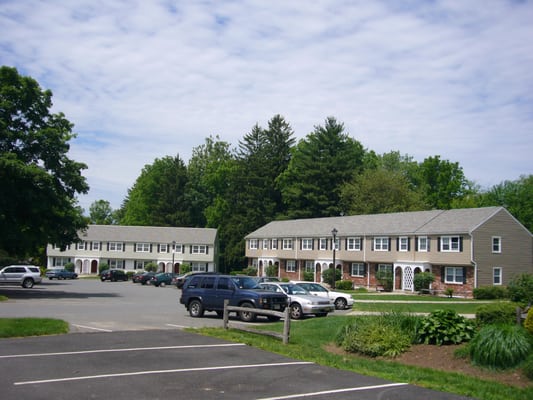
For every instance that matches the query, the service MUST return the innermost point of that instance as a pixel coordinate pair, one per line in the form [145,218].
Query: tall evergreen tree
[320,165]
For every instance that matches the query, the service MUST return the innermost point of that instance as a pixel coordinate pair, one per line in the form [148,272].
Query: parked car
[162,279]
[181,279]
[341,300]
[24,275]
[136,277]
[207,292]
[113,275]
[60,274]
[144,278]
[301,302]
[261,279]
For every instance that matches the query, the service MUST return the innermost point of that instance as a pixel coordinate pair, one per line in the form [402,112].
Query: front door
[408,279]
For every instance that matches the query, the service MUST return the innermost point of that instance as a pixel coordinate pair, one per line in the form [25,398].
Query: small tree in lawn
[328,276]
[423,280]
[184,268]
[69,267]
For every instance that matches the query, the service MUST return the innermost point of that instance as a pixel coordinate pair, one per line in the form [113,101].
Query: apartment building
[132,247]
[463,248]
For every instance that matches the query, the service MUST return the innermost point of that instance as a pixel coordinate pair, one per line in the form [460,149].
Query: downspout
[295,252]
[472,260]
[364,260]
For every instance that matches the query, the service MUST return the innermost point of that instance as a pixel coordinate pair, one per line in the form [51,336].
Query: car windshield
[294,289]
[315,287]
[245,282]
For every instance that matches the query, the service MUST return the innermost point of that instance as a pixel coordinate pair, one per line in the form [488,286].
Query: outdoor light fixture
[334,234]
[173,252]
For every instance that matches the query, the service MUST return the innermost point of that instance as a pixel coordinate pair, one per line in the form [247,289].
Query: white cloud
[142,80]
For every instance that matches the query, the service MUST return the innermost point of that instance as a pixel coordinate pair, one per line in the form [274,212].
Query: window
[358,269]
[450,243]
[323,244]
[423,243]
[265,244]
[310,266]
[178,248]
[96,245]
[337,244]
[274,244]
[199,249]
[61,261]
[497,276]
[353,244]
[208,282]
[454,275]
[287,244]
[403,243]
[496,244]
[291,266]
[80,246]
[116,264]
[141,264]
[163,248]
[223,284]
[116,246]
[198,267]
[383,268]
[307,244]
[253,244]
[381,244]
[142,247]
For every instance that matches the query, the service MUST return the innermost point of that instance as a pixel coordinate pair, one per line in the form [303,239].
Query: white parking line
[67,353]
[354,389]
[90,327]
[177,326]
[164,371]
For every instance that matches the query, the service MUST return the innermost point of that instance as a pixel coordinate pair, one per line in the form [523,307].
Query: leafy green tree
[516,196]
[320,164]
[101,213]
[442,182]
[380,191]
[158,196]
[39,182]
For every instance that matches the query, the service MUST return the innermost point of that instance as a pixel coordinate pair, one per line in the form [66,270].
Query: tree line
[268,176]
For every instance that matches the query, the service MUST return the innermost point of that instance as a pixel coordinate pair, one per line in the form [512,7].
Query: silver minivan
[24,275]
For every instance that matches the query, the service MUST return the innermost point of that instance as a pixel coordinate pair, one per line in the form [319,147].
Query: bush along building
[131,248]
[462,248]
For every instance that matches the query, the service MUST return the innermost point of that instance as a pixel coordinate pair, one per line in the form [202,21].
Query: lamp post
[334,234]
[173,252]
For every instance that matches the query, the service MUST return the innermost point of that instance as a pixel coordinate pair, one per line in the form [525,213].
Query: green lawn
[20,327]
[460,308]
[310,337]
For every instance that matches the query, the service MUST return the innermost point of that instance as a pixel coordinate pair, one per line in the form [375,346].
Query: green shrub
[496,313]
[309,276]
[500,346]
[388,334]
[185,267]
[271,270]
[327,275]
[385,279]
[344,285]
[250,271]
[423,280]
[449,292]
[521,289]
[102,267]
[443,327]
[527,367]
[490,293]
[151,267]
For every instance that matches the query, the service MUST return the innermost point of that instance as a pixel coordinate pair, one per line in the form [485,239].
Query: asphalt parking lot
[120,354]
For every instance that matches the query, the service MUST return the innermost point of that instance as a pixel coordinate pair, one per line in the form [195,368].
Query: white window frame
[307,244]
[198,267]
[337,243]
[142,247]
[265,244]
[178,248]
[403,243]
[423,242]
[381,243]
[354,244]
[96,246]
[253,244]
[385,268]
[163,247]
[116,246]
[497,276]
[454,275]
[496,244]
[80,245]
[117,264]
[198,249]
[287,244]
[357,269]
[323,244]
[274,244]
[450,244]
[290,266]
[310,266]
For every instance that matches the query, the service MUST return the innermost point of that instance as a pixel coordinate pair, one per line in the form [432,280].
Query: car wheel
[27,283]
[247,316]
[340,303]
[296,311]
[196,310]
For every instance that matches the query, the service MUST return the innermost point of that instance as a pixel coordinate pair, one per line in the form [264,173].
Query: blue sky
[146,79]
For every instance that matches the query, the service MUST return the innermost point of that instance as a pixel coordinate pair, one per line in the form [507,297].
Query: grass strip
[20,327]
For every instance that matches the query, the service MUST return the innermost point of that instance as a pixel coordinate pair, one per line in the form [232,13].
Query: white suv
[24,275]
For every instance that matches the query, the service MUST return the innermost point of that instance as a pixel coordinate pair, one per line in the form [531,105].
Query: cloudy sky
[146,79]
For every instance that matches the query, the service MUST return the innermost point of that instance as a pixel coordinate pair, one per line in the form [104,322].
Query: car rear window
[34,269]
